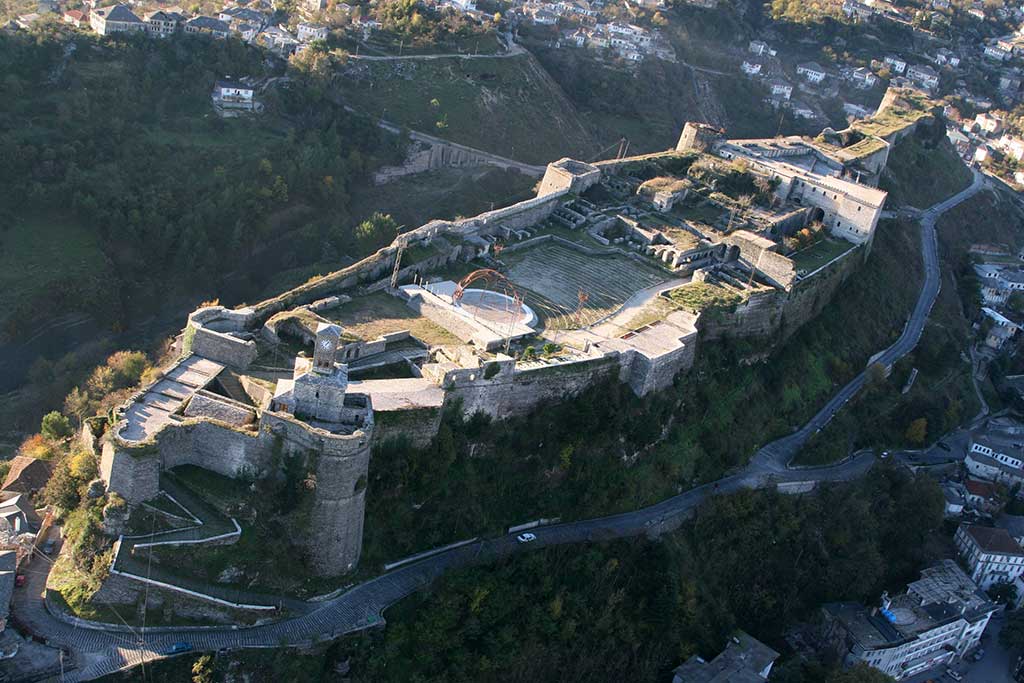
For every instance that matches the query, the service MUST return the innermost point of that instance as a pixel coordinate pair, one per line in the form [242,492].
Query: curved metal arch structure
[495,280]
[487,276]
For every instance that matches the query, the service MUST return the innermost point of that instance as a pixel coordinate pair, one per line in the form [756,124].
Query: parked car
[955,675]
[178,648]
[49,546]
[979,654]
[526,538]
[19,580]
[943,446]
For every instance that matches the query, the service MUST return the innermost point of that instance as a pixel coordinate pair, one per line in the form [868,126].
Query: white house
[989,124]
[996,457]
[115,19]
[811,71]
[863,78]
[896,64]
[996,53]
[992,555]
[161,23]
[936,622]
[233,95]
[309,32]
[758,47]
[780,88]
[751,68]
[802,110]
[923,75]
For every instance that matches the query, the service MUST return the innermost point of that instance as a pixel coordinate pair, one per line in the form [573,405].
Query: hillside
[508,106]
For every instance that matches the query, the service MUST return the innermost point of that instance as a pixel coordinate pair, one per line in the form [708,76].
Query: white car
[526,538]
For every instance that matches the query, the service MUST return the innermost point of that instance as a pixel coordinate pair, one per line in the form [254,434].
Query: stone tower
[328,338]
[698,137]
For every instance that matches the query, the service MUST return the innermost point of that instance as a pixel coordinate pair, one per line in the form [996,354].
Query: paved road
[775,457]
[100,650]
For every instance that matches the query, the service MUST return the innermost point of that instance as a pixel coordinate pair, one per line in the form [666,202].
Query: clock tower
[328,338]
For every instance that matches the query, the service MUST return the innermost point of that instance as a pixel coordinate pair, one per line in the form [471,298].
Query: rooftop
[991,540]
[148,413]
[742,661]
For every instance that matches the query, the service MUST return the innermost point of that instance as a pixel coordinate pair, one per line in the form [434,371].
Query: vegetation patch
[698,297]
[368,317]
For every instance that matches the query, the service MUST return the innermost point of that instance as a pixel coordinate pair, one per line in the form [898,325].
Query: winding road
[103,649]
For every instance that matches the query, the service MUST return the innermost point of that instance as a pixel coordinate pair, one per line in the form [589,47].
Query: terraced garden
[551,277]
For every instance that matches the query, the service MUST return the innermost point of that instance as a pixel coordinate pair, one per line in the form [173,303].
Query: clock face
[325,344]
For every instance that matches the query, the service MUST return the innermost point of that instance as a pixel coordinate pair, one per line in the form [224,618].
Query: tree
[1012,635]
[376,231]
[37,446]
[77,404]
[1003,592]
[875,376]
[55,426]
[202,670]
[917,432]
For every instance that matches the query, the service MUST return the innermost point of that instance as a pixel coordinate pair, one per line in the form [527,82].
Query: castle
[228,405]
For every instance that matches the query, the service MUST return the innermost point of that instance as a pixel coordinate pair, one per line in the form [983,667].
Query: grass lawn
[369,317]
[41,249]
[818,254]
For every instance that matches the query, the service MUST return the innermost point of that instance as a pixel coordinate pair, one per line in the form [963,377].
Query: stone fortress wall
[341,462]
[500,387]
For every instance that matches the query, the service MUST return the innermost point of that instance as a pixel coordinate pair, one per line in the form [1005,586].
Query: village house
[760,48]
[811,71]
[751,68]
[802,110]
[780,88]
[896,64]
[857,11]
[988,124]
[27,475]
[1002,329]
[309,32]
[162,23]
[232,95]
[996,53]
[76,18]
[207,26]
[115,19]
[981,495]
[744,660]
[863,78]
[924,75]
[236,16]
[1012,147]
[991,555]
[278,40]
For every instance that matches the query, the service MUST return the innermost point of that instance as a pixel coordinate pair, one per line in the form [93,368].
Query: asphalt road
[102,649]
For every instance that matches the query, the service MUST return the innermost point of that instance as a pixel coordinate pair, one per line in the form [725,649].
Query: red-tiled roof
[27,474]
[980,488]
[994,540]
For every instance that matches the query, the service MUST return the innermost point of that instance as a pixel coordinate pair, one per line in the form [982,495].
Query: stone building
[992,555]
[115,19]
[179,420]
[936,622]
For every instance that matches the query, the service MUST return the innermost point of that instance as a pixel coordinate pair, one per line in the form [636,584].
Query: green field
[508,106]
[40,250]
